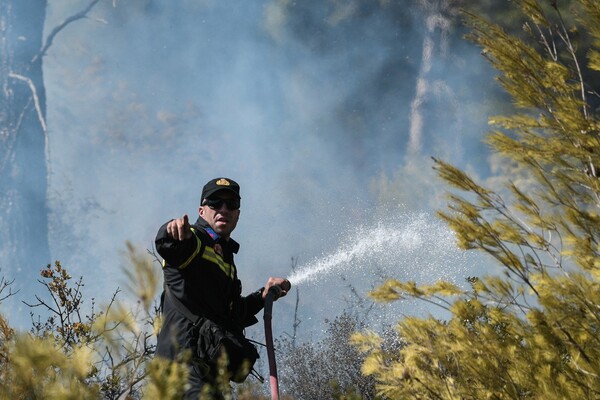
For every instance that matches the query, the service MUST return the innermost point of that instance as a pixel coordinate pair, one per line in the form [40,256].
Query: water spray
[272,295]
[412,244]
[407,246]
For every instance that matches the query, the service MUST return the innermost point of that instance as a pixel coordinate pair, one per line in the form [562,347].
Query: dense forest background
[328,113]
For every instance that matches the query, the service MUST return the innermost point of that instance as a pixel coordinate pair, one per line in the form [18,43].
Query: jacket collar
[231,244]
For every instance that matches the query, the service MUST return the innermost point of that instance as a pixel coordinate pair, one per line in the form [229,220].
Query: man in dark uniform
[199,271]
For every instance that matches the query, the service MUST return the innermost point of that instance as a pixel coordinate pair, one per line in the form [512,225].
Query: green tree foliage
[534,332]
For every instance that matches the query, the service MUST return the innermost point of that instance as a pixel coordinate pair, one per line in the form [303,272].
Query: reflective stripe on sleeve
[194,254]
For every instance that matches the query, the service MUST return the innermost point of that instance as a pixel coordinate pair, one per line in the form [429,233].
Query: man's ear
[201,211]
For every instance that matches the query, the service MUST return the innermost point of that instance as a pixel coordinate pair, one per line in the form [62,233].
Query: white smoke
[149,100]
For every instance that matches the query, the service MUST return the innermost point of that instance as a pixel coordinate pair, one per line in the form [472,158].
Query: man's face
[219,216]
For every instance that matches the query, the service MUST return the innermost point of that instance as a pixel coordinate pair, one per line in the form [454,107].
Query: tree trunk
[24,247]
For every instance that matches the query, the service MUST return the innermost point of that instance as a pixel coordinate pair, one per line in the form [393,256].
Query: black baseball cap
[217,184]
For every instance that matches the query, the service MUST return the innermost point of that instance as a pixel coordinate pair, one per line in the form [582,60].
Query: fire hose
[272,295]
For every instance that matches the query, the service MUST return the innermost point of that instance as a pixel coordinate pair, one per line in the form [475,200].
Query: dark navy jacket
[201,273]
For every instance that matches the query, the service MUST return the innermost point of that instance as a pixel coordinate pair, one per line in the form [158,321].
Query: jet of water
[414,244]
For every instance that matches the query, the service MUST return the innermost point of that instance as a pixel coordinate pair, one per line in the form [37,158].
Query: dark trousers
[202,384]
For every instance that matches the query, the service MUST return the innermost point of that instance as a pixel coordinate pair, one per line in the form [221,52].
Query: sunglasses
[215,204]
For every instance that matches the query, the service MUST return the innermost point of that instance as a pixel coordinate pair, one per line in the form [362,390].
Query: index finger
[183,228]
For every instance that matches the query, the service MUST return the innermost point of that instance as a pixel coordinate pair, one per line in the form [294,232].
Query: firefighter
[200,279]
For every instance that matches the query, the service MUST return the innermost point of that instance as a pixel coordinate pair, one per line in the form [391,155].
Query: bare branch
[6,284]
[36,101]
[154,254]
[38,109]
[75,17]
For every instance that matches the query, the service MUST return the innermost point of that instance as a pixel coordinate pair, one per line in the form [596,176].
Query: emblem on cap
[222,182]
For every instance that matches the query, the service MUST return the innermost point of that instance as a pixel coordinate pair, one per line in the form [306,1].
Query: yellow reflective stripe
[195,253]
[210,255]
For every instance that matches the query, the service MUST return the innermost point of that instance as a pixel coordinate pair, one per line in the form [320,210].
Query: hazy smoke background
[308,106]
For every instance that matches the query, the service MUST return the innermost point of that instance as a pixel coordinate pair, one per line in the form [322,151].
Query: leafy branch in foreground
[73,353]
[535,331]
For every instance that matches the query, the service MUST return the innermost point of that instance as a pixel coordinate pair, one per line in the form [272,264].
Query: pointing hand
[179,228]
